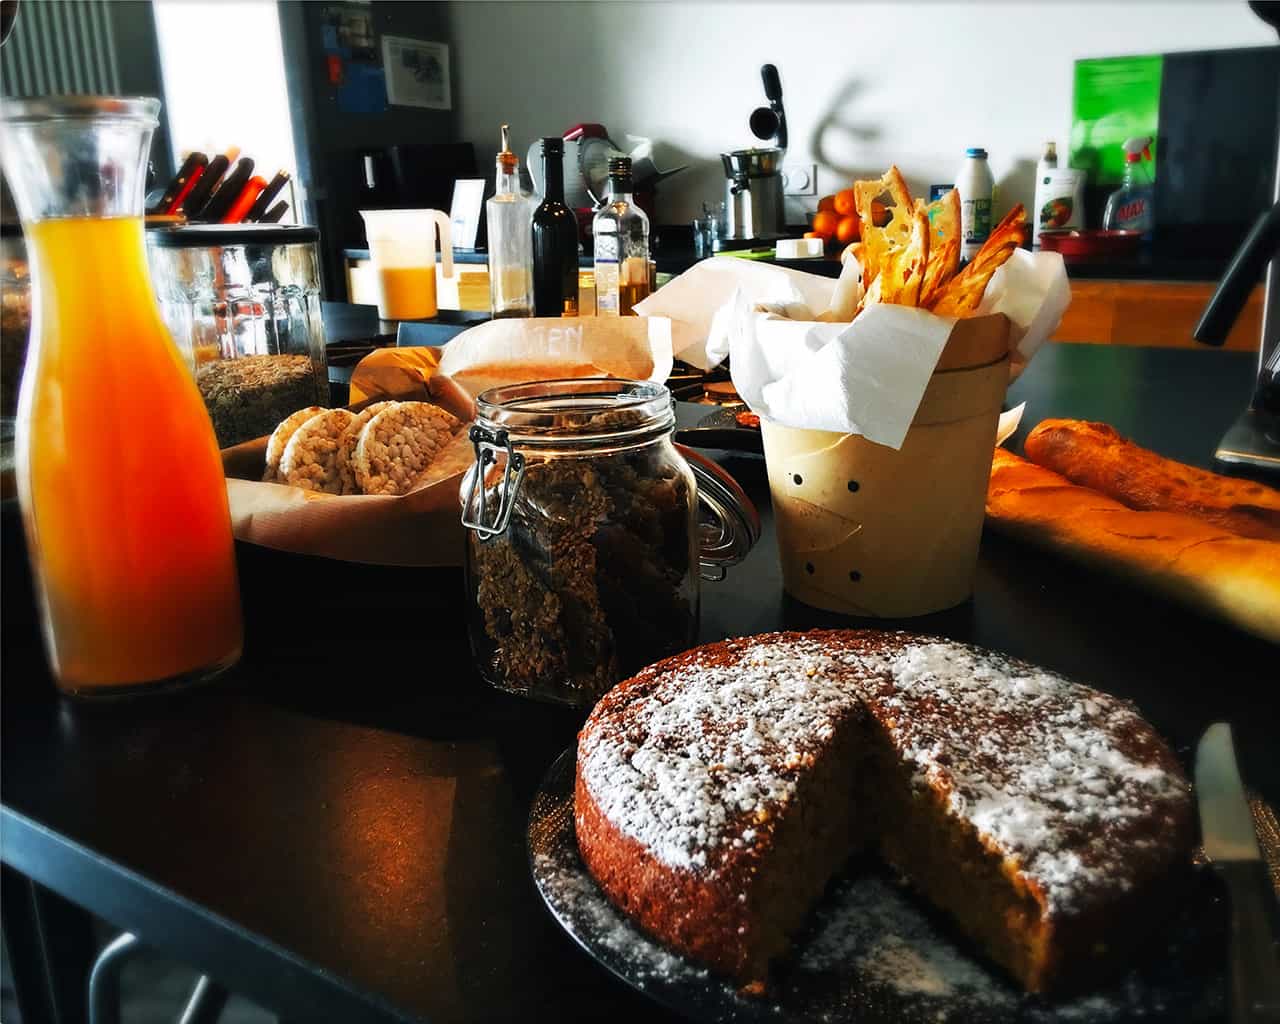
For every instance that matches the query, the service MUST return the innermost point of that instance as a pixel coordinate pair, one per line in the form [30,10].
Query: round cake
[718,791]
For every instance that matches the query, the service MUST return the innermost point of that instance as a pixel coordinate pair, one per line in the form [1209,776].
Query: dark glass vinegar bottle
[555,241]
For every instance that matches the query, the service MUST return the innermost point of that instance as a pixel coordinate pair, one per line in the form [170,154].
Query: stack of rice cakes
[386,448]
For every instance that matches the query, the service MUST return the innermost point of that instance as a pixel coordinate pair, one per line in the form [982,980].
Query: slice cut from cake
[718,792]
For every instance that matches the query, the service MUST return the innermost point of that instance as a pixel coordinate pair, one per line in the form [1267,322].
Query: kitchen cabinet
[1161,313]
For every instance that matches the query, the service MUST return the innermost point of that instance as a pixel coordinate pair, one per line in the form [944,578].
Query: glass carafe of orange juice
[119,477]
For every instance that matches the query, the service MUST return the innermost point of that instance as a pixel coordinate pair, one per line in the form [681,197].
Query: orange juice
[406,293]
[119,475]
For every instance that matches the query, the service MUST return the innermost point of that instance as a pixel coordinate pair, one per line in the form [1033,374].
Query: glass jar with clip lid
[588,534]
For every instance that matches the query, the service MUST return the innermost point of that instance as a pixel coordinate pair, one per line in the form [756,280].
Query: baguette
[1095,455]
[1198,564]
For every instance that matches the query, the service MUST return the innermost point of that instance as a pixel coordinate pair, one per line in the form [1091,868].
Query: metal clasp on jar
[734,525]
[488,446]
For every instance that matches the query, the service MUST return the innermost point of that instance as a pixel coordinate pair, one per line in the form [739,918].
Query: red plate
[1091,245]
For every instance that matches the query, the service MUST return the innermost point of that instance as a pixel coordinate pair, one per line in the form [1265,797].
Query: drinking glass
[707,229]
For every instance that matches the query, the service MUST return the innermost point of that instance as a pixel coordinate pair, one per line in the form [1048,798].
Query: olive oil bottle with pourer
[509,215]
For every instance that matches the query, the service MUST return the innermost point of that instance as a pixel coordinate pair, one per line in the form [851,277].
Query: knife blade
[1231,843]
[1225,819]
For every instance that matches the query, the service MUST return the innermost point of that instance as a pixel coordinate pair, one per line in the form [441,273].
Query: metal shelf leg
[207,1001]
[104,981]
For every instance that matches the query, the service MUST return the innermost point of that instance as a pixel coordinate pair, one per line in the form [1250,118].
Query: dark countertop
[347,323]
[337,828]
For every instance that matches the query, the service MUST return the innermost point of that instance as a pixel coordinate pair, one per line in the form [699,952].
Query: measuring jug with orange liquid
[123,497]
[402,249]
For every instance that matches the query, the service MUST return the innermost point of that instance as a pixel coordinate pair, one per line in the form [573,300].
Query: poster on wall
[1114,98]
[353,61]
[417,73]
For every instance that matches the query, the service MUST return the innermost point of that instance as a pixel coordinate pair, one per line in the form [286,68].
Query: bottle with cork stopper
[509,215]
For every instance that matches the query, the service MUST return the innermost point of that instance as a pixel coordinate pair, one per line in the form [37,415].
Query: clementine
[824,223]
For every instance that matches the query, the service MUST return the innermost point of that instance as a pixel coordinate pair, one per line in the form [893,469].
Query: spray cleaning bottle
[1132,206]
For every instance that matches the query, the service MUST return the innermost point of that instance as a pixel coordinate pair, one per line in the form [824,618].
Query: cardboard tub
[867,530]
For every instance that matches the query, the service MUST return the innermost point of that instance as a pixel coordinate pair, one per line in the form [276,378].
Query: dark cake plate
[871,952]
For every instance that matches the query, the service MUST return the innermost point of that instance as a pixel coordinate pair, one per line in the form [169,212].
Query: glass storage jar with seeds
[588,533]
[243,302]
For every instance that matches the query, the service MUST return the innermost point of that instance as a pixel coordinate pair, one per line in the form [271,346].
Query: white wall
[864,84]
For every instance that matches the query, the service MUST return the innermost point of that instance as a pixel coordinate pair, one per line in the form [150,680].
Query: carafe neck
[77,156]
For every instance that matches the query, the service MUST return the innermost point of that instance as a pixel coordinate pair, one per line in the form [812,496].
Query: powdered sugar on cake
[1042,767]
[1054,775]
[707,761]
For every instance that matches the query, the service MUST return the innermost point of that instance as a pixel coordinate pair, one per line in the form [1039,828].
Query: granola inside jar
[242,302]
[583,555]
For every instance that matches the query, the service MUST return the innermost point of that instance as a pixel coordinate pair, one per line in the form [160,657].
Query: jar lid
[204,235]
[579,411]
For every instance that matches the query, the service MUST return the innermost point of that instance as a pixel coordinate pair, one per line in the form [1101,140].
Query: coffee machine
[753,177]
[1252,443]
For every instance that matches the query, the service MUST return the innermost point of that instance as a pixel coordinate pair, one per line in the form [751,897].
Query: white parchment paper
[866,377]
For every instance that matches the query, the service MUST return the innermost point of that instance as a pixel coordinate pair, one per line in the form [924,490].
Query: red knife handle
[191,169]
[185,191]
[248,196]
